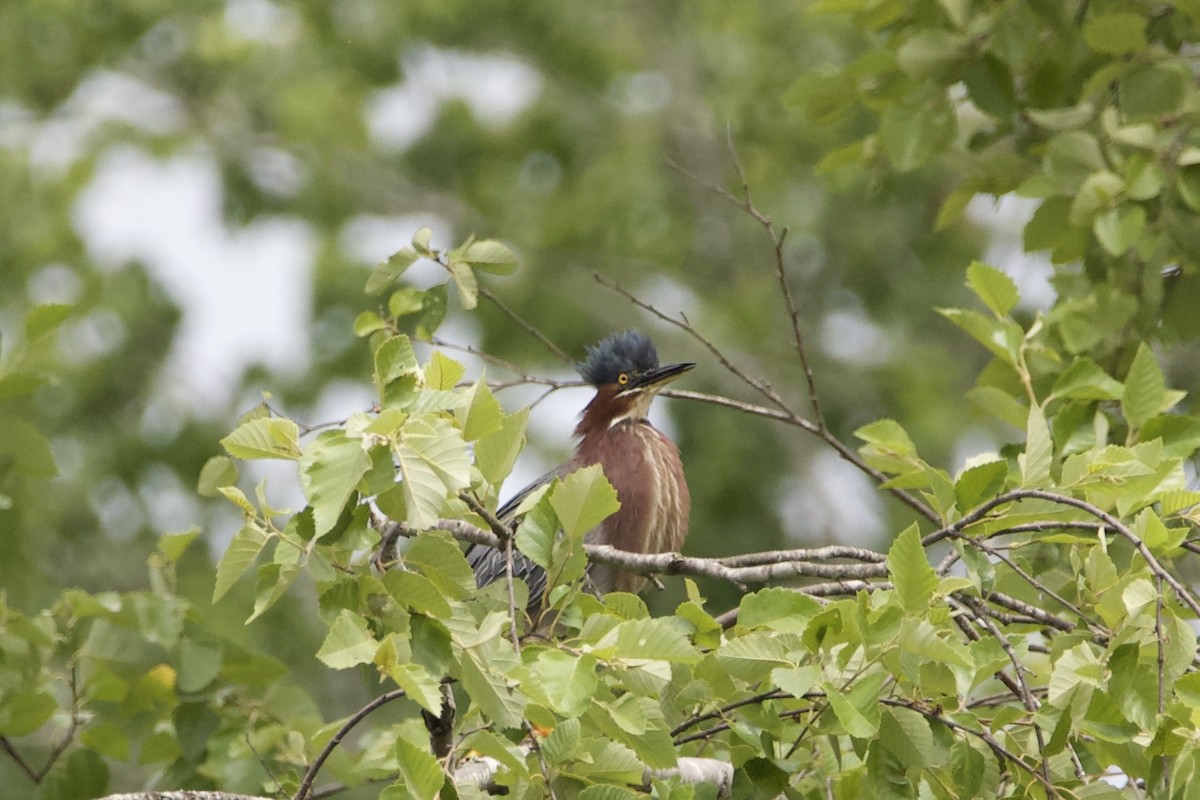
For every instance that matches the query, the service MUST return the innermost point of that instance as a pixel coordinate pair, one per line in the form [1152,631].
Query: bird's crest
[628,351]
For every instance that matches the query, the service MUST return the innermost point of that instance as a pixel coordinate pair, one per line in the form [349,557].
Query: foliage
[1028,630]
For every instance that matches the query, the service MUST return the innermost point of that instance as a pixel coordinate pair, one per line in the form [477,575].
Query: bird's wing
[488,563]
[505,512]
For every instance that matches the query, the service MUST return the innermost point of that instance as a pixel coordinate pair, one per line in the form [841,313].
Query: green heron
[639,461]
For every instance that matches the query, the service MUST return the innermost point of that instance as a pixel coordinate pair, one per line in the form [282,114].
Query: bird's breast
[644,467]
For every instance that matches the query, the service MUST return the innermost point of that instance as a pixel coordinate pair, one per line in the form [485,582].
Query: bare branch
[1112,523]
[529,328]
[675,563]
[358,716]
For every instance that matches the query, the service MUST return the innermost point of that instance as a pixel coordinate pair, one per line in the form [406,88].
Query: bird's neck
[607,411]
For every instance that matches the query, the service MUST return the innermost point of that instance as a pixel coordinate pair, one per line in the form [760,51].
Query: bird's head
[624,369]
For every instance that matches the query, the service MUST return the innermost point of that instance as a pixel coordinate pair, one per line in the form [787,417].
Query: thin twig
[21,763]
[358,716]
[778,239]
[1026,696]
[1111,522]
[529,328]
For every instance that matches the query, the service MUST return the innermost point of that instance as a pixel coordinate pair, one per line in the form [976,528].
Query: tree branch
[358,716]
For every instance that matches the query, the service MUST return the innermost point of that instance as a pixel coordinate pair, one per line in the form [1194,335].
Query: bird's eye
[623,378]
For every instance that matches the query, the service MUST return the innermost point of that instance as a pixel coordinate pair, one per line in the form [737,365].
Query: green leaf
[753,656]
[1085,380]
[1076,666]
[491,256]
[1116,34]
[438,557]
[218,471]
[1039,451]
[911,136]
[1119,229]
[388,271]
[329,470]
[776,607]
[23,712]
[583,500]
[920,638]
[930,53]
[1002,337]
[420,772]
[1148,92]
[107,739]
[405,301]
[433,311]
[537,533]
[264,437]
[647,639]
[908,566]
[609,760]
[567,682]
[887,436]
[26,448]
[999,404]
[796,681]
[907,735]
[45,318]
[366,323]
[855,723]
[243,549]
[1097,194]
[563,742]
[1062,119]
[433,462]
[638,723]
[173,545]
[979,483]
[499,703]
[1072,157]
[199,665]
[967,769]
[443,372]
[1048,224]
[417,592]
[348,643]
[466,283]
[1144,388]
[993,287]
[496,452]
[481,415]
[394,358]
[272,582]
[1180,434]
[421,240]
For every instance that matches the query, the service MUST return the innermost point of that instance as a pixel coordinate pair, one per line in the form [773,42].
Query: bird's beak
[655,379]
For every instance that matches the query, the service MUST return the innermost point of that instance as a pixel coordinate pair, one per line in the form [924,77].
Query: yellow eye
[623,378]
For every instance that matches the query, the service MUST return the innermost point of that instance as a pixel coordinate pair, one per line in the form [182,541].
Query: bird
[640,462]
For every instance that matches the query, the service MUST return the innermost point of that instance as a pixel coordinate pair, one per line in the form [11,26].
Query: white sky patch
[833,503]
[103,97]
[263,22]
[370,238]
[641,92]
[245,294]
[54,283]
[848,335]
[497,87]
[1006,218]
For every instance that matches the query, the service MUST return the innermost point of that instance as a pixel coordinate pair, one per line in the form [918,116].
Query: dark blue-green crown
[629,352]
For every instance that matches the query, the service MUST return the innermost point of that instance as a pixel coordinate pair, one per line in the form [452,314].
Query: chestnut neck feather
[599,414]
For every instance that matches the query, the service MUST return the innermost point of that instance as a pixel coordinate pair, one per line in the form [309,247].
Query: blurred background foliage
[334,129]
